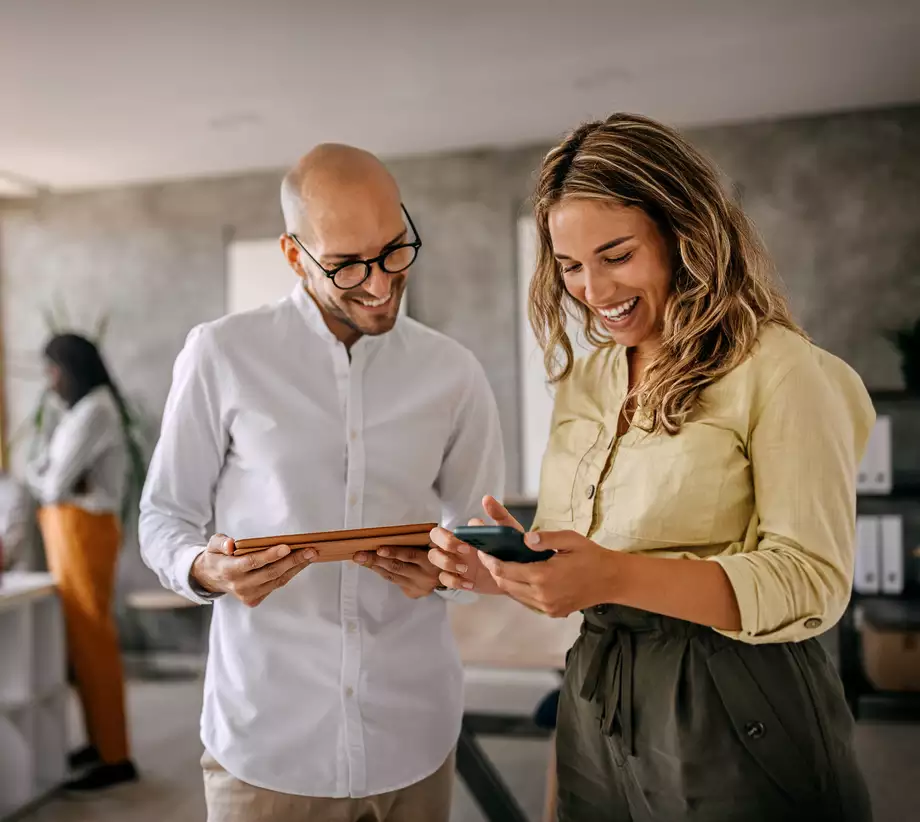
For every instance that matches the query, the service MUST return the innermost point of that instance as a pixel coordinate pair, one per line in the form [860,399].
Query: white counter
[33,691]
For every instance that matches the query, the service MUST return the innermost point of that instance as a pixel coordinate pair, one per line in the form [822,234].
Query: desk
[33,691]
[499,633]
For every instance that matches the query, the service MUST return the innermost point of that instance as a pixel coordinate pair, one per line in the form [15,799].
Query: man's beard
[336,309]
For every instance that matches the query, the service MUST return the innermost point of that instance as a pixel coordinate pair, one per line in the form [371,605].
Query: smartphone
[501,542]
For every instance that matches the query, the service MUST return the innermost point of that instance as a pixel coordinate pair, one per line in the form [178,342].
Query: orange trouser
[82,550]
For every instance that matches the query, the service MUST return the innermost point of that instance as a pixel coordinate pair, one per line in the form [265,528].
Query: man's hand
[408,568]
[251,577]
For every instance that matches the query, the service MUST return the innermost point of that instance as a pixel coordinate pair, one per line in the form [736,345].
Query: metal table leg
[484,781]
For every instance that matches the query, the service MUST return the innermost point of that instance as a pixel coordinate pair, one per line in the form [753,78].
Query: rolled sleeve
[793,575]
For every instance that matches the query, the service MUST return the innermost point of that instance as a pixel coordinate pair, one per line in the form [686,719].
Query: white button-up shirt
[337,684]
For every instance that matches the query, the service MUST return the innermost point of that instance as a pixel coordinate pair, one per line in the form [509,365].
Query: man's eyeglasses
[393,260]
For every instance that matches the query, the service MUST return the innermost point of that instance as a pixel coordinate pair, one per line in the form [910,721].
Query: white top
[337,684]
[15,521]
[88,441]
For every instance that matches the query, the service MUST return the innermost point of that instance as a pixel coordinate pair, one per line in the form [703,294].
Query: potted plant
[907,341]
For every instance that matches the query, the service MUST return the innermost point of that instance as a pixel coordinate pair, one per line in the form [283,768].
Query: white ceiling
[98,92]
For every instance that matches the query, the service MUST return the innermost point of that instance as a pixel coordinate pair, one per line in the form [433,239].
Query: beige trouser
[230,800]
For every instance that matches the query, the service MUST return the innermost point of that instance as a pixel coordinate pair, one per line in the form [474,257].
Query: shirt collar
[313,316]
[309,310]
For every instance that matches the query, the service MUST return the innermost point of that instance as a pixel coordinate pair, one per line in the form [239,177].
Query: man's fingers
[407,570]
[296,560]
[254,594]
[220,544]
[476,521]
[500,514]
[260,559]
[415,556]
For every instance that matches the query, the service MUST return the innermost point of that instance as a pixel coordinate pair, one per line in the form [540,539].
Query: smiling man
[332,691]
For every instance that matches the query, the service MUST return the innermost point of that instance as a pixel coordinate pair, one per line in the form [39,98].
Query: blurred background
[141,151]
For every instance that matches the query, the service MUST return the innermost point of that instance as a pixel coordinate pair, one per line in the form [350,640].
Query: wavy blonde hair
[723,290]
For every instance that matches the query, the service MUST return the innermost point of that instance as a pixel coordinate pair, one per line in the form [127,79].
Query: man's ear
[292,254]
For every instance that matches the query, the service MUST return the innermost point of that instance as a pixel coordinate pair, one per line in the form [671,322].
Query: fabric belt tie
[611,665]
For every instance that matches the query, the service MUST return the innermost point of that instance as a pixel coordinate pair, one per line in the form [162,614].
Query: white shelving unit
[33,691]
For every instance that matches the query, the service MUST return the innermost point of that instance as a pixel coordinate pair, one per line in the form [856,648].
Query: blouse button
[590,492]
[812,623]
[755,730]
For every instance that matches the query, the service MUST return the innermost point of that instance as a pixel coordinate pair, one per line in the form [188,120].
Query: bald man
[333,690]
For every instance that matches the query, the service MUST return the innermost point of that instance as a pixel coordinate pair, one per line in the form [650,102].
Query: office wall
[837,199]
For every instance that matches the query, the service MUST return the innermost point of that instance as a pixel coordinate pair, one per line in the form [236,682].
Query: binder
[892,554]
[875,474]
[868,561]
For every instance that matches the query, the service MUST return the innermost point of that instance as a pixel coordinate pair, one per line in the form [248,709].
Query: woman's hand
[460,565]
[581,575]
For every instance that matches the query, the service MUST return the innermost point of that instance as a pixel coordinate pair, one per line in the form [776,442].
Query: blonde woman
[699,493]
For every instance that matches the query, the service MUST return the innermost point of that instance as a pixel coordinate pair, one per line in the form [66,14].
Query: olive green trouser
[665,721]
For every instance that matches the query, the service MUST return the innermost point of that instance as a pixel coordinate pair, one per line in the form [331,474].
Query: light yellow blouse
[761,479]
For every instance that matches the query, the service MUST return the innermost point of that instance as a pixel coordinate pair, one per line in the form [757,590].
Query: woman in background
[79,480]
[698,491]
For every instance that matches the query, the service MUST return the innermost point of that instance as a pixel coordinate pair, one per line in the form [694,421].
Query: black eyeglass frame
[416,245]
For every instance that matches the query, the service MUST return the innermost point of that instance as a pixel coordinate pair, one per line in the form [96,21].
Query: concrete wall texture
[837,199]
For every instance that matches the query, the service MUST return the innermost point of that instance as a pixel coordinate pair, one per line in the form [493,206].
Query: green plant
[907,341]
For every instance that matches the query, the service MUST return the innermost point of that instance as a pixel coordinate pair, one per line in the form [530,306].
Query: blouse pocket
[569,445]
[667,489]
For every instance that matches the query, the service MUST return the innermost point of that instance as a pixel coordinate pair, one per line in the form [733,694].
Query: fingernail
[533,538]
[383,552]
[463,548]
[468,586]
[226,543]
[309,554]
[283,551]
[462,569]
[360,557]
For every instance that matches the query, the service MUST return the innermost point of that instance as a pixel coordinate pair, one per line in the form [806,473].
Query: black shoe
[83,758]
[104,776]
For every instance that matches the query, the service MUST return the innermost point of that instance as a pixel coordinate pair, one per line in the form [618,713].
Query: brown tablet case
[331,546]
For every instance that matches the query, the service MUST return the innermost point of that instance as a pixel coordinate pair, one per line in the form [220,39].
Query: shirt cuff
[184,583]
[742,576]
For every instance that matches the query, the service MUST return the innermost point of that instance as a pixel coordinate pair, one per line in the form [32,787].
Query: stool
[161,600]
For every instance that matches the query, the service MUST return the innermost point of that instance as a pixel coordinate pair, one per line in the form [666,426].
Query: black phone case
[501,542]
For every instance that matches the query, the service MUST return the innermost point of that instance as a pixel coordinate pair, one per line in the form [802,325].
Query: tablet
[332,546]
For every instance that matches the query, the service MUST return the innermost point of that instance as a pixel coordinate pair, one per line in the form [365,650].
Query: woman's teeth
[618,312]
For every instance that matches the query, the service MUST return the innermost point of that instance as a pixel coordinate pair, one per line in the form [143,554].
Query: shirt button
[600,610]
[352,628]
[590,492]
[353,500]
[755,730]
[353,436]
[812,623]
[349,692]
